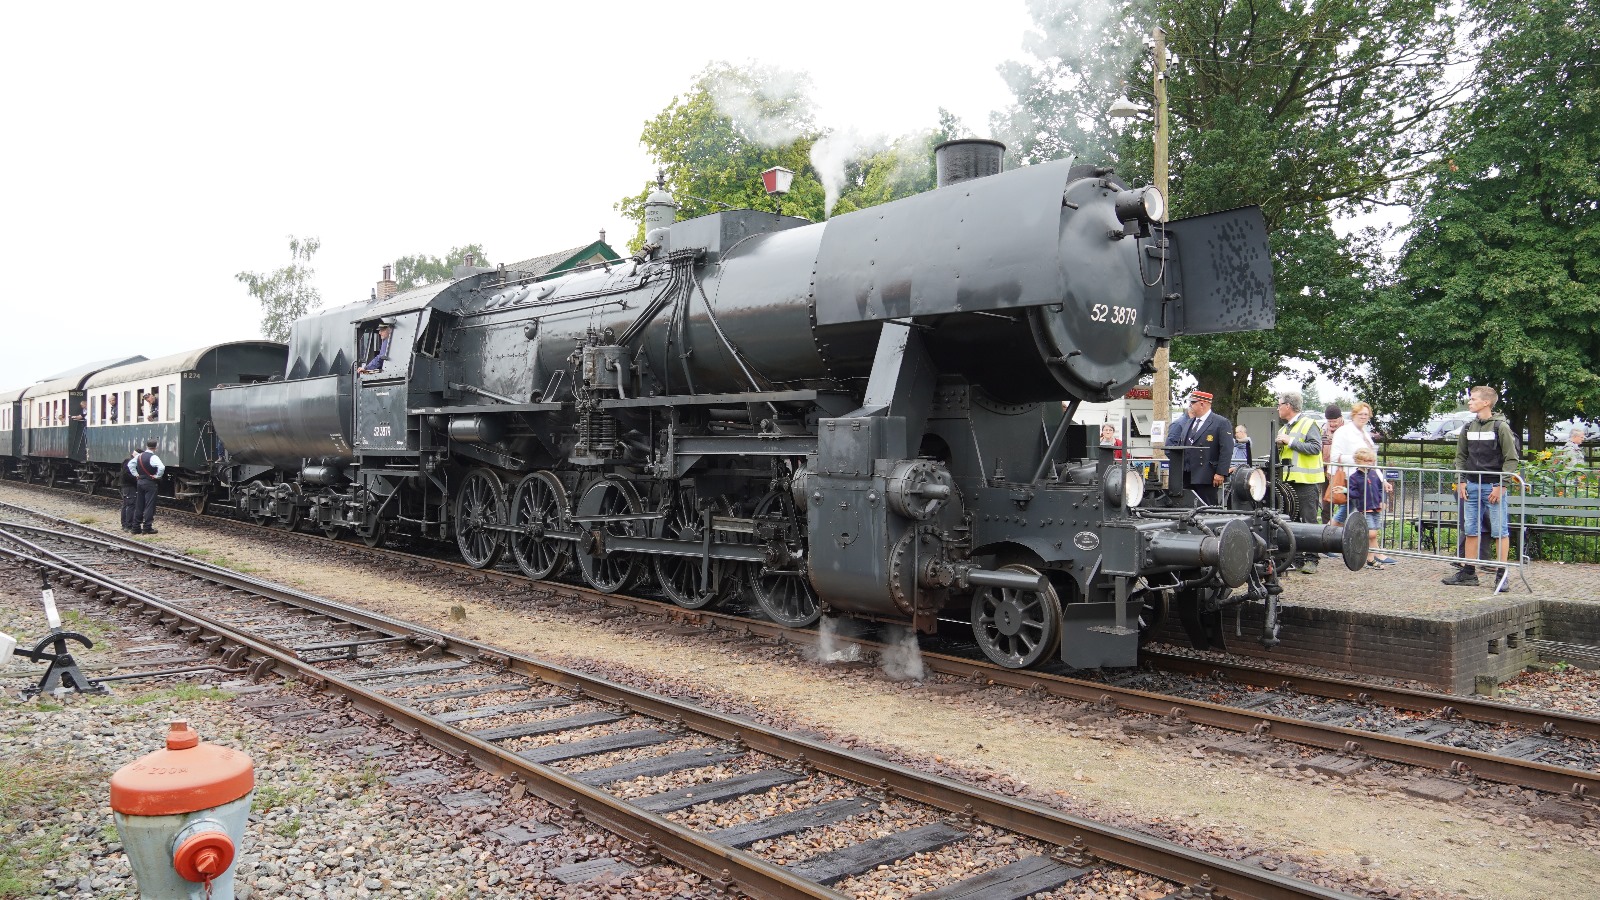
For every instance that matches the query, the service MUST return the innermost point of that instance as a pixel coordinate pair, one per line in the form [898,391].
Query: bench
[1547,515]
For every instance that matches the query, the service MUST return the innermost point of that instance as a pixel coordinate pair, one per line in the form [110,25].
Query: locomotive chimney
[967,158]
[387,287]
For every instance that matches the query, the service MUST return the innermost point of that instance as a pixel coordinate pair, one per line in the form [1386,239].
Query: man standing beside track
[1299,444]
[130,493]
[148,468]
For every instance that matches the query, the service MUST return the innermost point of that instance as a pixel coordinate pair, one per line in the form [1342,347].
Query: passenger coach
[168,400]
[48,438]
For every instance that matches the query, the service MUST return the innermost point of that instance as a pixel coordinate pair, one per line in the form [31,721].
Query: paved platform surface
[1412,588]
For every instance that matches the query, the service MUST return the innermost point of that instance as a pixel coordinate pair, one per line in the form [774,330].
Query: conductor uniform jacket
[1212,444]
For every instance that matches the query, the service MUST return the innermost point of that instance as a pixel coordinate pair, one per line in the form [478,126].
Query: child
[1366,494]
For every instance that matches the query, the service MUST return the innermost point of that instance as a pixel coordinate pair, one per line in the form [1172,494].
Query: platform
[1403,623]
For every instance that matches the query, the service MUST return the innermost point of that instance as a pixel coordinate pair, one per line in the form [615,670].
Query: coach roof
[74,380]
[187,361]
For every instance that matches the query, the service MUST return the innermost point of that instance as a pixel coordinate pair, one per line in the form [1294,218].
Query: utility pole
[1161,391]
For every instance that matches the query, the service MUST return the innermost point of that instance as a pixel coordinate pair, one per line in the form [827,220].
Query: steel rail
[1453,760]
[1471,708]
[657,835]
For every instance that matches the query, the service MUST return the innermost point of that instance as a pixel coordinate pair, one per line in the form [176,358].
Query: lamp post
[776,181]
[1161,391]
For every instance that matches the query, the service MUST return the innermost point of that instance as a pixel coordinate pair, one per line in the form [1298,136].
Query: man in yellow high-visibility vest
[1299,445]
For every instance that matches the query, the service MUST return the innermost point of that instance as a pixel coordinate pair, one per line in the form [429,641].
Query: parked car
[1439,427]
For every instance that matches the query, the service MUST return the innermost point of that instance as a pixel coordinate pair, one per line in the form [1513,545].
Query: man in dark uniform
[1205,440]
[381,355]
[148,468]
[130,494]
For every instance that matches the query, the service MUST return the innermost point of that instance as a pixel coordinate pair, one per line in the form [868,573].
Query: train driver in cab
[375,364]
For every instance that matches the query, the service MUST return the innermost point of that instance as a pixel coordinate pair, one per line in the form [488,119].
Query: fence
[1552,515]
[1562,506]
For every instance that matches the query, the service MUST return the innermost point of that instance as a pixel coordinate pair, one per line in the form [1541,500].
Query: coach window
[127,406]
[172,403]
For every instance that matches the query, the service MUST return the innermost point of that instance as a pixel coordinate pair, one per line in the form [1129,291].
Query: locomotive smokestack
[967,158]
[387,287]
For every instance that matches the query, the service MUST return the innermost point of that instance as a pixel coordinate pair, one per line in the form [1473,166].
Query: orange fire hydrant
[181,813]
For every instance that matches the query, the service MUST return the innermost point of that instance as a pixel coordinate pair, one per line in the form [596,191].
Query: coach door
[381,396]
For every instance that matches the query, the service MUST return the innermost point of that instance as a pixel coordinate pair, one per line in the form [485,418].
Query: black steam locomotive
[862,417]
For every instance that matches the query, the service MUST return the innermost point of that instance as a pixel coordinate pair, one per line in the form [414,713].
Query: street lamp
[1161,391]
[777,180]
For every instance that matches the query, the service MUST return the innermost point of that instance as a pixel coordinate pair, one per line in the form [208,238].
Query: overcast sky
[155,150]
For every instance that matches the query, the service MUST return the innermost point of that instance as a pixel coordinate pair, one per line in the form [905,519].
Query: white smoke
[760,102]
[835,640]
[901,657]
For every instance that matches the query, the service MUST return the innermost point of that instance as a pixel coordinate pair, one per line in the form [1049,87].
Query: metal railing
[1423,512]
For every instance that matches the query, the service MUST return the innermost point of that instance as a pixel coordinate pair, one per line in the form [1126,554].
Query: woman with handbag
[1355,436]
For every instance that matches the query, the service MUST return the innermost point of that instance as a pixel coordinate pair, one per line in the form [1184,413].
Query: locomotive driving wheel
[539,506]
[480,507]
[785,595]
[680,576]
[609,509]
[1016,627]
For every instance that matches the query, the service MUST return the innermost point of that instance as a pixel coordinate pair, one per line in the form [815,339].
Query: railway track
[555,731]
[1508,749]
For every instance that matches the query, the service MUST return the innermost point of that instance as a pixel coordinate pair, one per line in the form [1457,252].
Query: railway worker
[1206,440]
[1486,451]
[375,364]
[130,494]
[148,469]
[1299,446]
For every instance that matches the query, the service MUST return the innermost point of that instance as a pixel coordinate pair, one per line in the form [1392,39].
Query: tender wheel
[91,483]
[680,575]
[603,568]
[784,595]
[199,503]
[331,531]
[27,474]
[539,506]
[480,508]
[50,477]
[289,522]
[1016,628]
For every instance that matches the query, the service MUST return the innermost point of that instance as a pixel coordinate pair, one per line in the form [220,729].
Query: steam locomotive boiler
[862,417]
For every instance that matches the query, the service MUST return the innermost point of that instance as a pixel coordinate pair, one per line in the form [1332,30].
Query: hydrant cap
[203,856]
[186,777]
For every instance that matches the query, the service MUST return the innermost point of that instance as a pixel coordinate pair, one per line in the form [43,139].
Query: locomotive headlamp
[1124,485]
[1143,205]
[1257,485]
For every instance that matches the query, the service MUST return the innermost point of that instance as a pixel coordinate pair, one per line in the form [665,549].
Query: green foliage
[419,269]
[1499,282]
[285,294]
[714,141]
[1301,109]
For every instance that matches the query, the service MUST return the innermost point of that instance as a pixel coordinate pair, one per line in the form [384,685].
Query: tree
[419,269]
[286,294]
[1499,282]
[714,141]
[1303,109]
